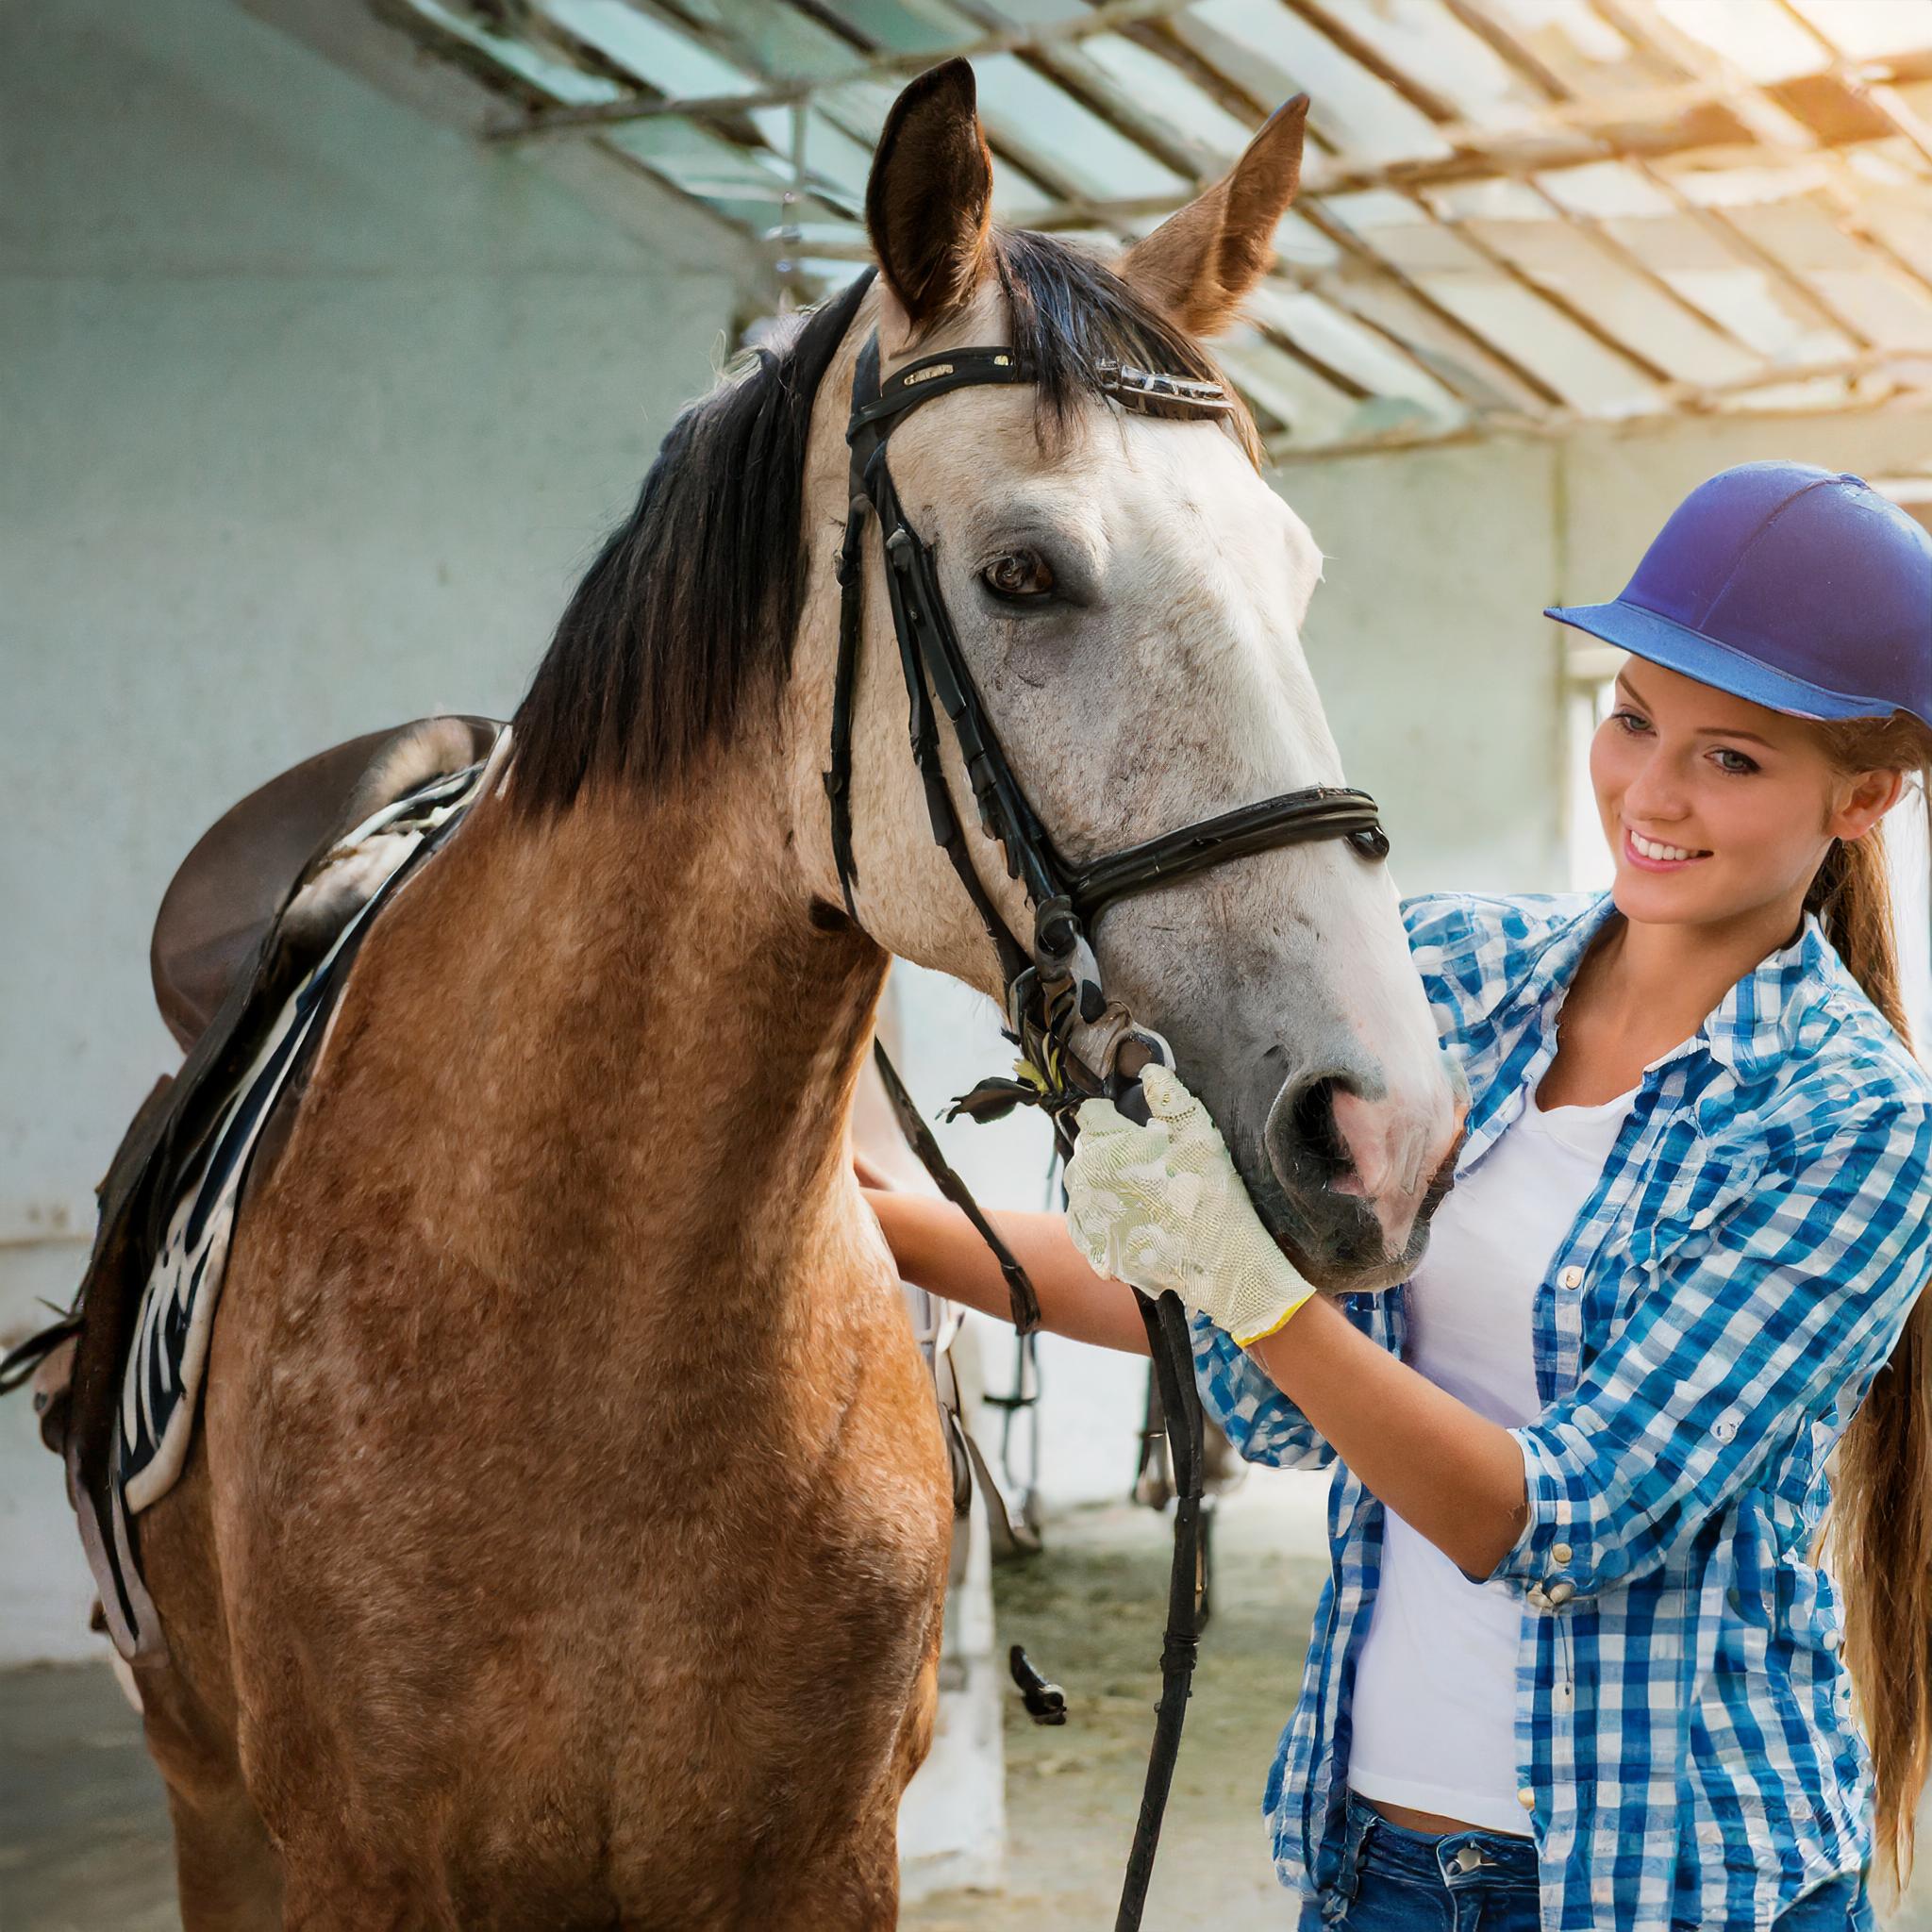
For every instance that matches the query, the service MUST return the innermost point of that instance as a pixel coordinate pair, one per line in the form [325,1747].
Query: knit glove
[1162,1206]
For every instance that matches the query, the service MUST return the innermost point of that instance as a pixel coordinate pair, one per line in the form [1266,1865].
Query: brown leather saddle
[237,932]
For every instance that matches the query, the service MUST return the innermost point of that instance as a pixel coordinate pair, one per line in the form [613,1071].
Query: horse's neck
[656,1036]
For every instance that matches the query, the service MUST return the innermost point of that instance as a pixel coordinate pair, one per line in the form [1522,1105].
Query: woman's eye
[1018,577]
[1630,722]
[1733,761]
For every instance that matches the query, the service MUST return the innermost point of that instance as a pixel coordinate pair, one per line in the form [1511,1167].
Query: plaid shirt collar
[1754,1026]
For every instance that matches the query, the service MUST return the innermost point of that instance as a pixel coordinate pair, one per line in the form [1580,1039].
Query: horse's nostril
[1311,1117]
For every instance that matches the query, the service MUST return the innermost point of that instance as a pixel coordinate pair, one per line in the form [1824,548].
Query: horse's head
[1128,594]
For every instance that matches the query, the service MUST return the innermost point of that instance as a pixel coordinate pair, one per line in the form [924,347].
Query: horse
[565,1540]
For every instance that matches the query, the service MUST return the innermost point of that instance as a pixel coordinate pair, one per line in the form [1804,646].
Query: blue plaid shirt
[1684,1728]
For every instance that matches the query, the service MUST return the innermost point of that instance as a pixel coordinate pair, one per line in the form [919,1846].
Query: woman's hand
[1162,1206]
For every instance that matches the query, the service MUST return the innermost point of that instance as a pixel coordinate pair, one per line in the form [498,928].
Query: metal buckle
[1133,386]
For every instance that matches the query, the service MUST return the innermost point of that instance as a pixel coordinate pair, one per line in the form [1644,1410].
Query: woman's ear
[1871,796]
[928,204]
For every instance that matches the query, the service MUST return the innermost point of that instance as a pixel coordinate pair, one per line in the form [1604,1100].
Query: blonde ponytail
[1880,1530]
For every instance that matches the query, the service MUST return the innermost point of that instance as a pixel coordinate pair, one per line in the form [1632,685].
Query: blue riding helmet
[1799,589]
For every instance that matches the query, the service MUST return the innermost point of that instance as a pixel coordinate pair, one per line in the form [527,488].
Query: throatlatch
[1056,1006]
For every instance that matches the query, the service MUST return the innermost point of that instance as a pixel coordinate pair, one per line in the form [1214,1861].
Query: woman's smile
[1657,855]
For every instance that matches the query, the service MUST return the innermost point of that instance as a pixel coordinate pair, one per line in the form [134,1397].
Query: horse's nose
[1325,1137]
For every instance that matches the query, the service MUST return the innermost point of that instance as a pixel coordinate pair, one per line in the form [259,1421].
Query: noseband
[1055,1003]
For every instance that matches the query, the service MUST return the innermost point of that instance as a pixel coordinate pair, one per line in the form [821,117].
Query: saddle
[265,897]
[259,923]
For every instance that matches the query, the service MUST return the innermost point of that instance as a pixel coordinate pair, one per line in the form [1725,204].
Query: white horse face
[1129,596]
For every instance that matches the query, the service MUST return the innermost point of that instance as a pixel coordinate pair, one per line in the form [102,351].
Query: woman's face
[1717,809]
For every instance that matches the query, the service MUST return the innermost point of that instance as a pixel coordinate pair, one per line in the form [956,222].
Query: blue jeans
[1398,1880]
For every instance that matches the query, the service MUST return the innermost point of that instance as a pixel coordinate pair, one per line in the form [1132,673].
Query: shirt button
[1832,1639]
[1526,1798]
[1560,1592]
[1561,1553]
[1571,1276]
[1724,1428]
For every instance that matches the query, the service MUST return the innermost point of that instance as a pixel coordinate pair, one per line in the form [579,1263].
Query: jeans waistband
[1460,1860]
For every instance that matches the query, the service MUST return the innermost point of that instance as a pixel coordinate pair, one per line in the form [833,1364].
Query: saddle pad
[161,1383]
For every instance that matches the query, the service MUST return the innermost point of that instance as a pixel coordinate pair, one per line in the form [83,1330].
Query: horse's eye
[1018,577]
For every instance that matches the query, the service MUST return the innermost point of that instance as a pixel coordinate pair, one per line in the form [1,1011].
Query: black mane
[691,607]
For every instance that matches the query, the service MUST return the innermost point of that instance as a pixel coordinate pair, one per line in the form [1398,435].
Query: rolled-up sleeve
[1261,1422]
[1792,1306]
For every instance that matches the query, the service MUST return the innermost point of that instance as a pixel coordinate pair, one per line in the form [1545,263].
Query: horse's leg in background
[225,1866]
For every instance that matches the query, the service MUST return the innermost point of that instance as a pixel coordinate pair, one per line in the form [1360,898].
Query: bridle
[1073,1045]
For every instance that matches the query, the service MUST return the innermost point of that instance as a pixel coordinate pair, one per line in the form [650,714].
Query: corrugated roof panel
[906,26]
[1347,345]
[1607,190]
[1573,264]
[1736,292]
[1308,409]
[1812,393]
[1580,368]
[1032,13]
[1468,367]
[658,55]
[1442,263]
[1159,87]
[1424,39]
[1264,47]
[699,162]
[1757,36]
[780,39]
[1860,284]
[548,72]
[1870,29]
[1576,43]
[1901,219]
[1019,102]
[1302,246]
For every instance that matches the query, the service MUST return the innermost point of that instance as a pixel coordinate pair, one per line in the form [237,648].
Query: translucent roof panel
[1762,39]
[1159,87]
[1576,43]
[1307,408]
[1094,159]
[1453,271]
[1265,49]
[1513,211]
[1870,29]
[1590,270]
[659,55]
[1463,70]
[1338,340]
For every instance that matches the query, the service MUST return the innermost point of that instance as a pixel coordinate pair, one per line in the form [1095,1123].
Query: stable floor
[83,1828]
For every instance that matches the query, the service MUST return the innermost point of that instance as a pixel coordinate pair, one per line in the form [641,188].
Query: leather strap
[1296,818]
[1026,1303]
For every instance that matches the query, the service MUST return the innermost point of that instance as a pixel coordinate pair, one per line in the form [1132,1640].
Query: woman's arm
[1449,1474]
[937,1249]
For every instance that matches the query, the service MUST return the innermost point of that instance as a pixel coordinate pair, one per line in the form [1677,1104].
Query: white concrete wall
[313,412]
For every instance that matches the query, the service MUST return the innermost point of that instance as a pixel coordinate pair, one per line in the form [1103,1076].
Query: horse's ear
[929,203]
[1200,264]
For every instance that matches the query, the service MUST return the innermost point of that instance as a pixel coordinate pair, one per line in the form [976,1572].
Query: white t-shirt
[1434,1709]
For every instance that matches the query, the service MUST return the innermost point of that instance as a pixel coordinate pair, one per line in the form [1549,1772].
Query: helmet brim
[1661,639]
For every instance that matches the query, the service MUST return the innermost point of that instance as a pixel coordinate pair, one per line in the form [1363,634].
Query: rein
[1055,1002]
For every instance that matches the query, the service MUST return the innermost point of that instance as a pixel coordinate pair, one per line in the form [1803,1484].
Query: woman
[1575,1667]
